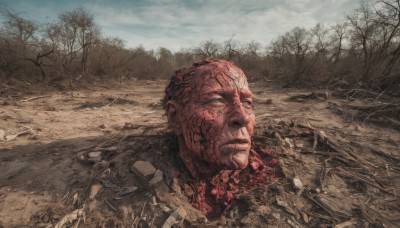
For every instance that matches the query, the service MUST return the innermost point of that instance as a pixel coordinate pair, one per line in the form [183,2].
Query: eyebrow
[245,93]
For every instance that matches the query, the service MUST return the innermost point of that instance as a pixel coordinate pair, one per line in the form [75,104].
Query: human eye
[247,102]
[215,101]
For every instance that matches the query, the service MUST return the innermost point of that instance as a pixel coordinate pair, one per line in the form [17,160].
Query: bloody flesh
[213,196]
[209,107]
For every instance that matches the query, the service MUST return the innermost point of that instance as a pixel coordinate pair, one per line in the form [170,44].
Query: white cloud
[180,23]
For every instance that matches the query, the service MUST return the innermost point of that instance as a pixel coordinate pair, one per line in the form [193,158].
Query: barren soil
[333,170]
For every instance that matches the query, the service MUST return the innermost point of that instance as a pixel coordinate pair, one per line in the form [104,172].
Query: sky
[176,24]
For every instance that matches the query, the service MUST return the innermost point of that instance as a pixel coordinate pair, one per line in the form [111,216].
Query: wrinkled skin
[209,107]
[213,119]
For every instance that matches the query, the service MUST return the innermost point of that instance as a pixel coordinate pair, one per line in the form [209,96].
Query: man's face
[217,121]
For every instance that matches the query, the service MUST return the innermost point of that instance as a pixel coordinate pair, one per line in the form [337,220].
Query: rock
[158,176]
[297,184]
[154,203]
[103,126]
[94,154]
[143,168]
[94,190]
[178,215]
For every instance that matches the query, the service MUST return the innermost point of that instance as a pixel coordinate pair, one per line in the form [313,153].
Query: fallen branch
[335,214]
[34,98]
[344,173]
[110,205]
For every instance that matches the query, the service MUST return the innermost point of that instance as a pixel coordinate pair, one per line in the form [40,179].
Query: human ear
[173,111]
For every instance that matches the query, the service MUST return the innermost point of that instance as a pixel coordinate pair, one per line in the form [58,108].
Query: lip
[237,141]
[236,145]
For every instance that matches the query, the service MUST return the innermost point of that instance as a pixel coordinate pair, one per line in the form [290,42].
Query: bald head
[209,107]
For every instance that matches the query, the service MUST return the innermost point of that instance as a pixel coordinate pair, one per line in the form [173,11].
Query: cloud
[183,23]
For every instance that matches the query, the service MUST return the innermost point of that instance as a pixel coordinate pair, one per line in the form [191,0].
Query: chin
[235,166]
[243,166]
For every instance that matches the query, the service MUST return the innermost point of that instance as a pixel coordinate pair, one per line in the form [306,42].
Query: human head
[209,107]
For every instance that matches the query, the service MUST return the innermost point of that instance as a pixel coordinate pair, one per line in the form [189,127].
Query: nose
[240,117]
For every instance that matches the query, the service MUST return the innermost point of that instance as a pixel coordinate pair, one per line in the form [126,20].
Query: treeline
[363,50]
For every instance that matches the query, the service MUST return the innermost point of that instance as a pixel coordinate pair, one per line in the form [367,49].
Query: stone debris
[297,184]
[143,168]
[154,203]
[158,176]
[177,216]
[94,190]
[94,154]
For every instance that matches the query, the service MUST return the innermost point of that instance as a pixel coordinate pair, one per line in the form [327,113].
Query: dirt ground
[66,161]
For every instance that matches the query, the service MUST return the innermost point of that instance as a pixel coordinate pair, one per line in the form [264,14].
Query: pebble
[158,176]
[143,168]
[94,154]
[297,183]
[94,190]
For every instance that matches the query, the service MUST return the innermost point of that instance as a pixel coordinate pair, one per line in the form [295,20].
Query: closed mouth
[235,146]
[237,141]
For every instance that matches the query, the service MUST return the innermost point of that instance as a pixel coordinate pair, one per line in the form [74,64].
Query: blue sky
[177,24]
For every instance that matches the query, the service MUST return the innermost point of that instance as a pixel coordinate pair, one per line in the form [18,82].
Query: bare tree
[337,37]
[291,49]
[73,36]
[322,43]
[22,41]
[231,50]
[184,57]
[388,19]
[207,49]
[165,62]
[362,26]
